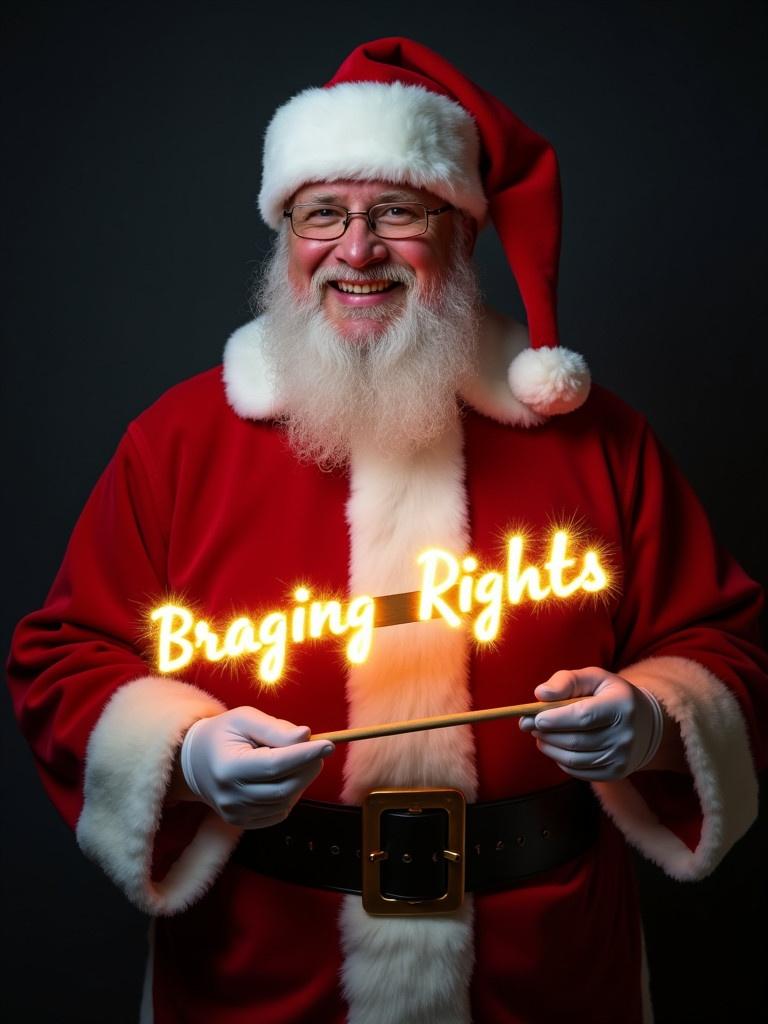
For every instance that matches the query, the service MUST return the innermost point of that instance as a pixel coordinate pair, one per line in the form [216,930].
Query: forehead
[367,192]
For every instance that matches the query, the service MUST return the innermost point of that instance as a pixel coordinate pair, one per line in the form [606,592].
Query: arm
[104,731]
[670,755]
[687,641]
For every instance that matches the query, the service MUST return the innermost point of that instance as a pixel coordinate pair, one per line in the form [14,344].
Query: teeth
[363,289]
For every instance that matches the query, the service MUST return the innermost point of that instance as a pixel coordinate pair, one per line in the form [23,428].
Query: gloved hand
[249,767]
[608,736]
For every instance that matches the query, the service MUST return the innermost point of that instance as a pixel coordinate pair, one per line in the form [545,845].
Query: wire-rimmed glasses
[386,220]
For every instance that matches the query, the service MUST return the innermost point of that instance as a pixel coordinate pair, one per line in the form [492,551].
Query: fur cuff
[716,745]
[128,768]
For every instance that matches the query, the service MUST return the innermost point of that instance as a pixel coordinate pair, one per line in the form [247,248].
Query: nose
[358,246]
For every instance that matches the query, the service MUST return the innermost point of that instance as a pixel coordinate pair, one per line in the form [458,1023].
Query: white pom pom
[549,380]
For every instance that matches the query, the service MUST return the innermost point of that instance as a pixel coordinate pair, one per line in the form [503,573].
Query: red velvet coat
[203,501]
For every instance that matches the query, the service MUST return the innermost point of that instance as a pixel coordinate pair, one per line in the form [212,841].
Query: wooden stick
[368,732]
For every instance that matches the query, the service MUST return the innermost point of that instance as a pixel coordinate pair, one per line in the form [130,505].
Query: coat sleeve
[687,628]
[103,730]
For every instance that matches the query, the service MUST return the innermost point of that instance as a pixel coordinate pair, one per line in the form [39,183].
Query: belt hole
[407,858]
[477,849]
[520,840]
[546,834]
[335,850]
[500,846]
[311,845]
[288,840]
[357,854]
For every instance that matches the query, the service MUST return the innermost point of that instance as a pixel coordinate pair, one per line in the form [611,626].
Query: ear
[469,231]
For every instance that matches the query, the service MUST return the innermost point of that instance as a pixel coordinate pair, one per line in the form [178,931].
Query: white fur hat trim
[372,131]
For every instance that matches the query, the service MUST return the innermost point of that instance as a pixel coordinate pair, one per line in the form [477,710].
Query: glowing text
[452,589]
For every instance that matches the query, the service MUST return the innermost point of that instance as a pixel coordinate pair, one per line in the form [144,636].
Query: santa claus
[376,408]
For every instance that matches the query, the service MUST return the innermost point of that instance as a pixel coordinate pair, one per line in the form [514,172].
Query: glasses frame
[367,214]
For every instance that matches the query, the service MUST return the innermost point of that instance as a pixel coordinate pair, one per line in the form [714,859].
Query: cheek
[299,273]
[427,260]
[297,280]
[302,264]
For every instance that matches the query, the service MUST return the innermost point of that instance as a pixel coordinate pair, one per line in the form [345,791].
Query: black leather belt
[323,845]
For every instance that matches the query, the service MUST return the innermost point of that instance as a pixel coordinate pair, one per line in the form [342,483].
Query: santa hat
[396,111]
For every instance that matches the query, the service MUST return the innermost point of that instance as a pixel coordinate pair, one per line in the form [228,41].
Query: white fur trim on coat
[372,131]
[398,969]
[129,762]
[247,379]
[501,341]
[414,969]
[717,748]
[251,391]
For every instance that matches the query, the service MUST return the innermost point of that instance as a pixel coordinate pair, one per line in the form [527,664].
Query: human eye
[318,214]
[401,213]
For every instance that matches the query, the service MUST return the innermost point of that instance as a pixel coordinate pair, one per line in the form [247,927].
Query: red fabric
[252,950]
[518,169]
[200,504]
[67,658]
[535,946]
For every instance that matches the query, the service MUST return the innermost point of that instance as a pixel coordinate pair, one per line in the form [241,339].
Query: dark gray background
[130,239]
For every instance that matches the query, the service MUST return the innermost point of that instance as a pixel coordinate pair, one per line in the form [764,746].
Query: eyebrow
[384,197]
[396,197]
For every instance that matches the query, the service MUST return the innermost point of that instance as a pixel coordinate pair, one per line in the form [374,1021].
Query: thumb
[570,683]
[268,731]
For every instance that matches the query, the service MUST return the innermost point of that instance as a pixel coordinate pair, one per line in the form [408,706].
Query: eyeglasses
[387,220]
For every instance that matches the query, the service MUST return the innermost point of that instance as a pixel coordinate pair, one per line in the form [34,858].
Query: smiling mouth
[364,287]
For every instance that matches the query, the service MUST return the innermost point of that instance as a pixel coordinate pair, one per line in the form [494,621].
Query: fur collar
[251,393]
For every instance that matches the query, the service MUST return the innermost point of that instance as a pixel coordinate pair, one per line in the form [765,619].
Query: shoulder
[238,389]
[193,422]
[204,387]
[603,420]
[220,409]
[191,405]
[607,415]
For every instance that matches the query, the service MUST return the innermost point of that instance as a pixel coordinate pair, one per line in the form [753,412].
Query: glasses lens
[313,220]
[399,221]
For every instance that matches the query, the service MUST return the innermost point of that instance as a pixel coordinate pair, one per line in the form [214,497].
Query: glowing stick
[368,732]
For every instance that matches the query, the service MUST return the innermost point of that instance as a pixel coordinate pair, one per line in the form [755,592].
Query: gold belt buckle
[415,800]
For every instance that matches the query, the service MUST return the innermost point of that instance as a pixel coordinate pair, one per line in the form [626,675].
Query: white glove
[249,767]
[608,736]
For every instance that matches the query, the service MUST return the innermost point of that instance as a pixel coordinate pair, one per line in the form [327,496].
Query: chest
[259,528]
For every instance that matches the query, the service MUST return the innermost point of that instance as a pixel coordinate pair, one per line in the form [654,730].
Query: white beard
[395,392]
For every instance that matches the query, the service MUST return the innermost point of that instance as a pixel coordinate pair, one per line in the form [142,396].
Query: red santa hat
[396,111]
